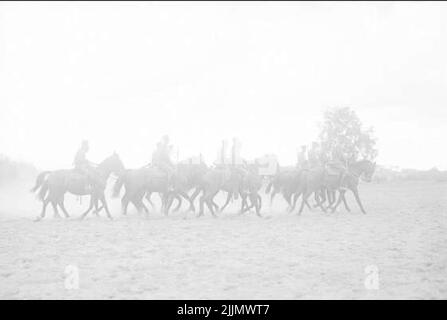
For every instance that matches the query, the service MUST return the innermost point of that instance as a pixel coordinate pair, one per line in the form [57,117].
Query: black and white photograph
[253,150]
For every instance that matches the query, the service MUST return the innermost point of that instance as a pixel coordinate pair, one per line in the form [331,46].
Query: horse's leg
[288,197]
[252,202]
[306,195]
[97,208]
[137,204]
[169,201]
[357,198]
[185,196]
[202,200]
[259,202]
[62,205]
[320,198]
[164,198]
[214,204]
[229,196]
[295,198]
[317,199]
[322,201]
[209,202]
[90,207]
[45,203]
[146,210]
[330,198]
[148,198]
[192,198]
[143,207]
[254,198]
[104,203]
[56,212]
[179,203]
[244,203]
[340,197]
[165,202]
[124,203]
[346,204]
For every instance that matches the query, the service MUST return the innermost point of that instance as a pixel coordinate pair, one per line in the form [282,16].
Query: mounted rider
[338,164]
[161,157]
[84,166]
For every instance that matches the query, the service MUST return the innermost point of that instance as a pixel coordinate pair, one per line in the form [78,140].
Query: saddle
[335,169]
[88,178]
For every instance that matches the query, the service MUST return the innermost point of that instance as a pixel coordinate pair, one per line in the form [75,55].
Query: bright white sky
[124,74]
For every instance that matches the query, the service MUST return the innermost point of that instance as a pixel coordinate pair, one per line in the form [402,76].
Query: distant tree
[343,129]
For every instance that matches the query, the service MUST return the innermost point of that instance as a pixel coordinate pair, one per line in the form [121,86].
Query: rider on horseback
[161,157]
[84,166]
[338,163]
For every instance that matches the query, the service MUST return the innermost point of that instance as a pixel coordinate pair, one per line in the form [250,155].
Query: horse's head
[368,168]
[114,164]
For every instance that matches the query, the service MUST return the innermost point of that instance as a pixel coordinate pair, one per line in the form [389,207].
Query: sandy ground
[281,256]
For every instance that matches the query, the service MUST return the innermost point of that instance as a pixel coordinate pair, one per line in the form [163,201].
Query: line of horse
[190,180]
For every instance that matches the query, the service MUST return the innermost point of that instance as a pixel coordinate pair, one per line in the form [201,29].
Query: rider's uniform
[80,162]
[83,166]
[338,163]
[161,158]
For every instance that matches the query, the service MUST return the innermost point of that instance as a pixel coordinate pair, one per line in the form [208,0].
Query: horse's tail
[40,180]
[43,191]
[117,187]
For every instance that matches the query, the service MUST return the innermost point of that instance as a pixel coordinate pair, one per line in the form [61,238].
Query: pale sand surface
[282,256]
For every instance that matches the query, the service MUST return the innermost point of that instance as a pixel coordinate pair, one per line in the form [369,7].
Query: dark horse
[137,182]
[364,170]
[145,181]
[318,180]
[187,176]
[235,181]
[52,186]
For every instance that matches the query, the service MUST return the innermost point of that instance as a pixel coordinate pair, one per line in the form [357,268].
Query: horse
[212,182]
[137,182]
[318,180]
[187,176]
[250,187]
[290,184]
[363,169]
[235,181]
[52,186]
